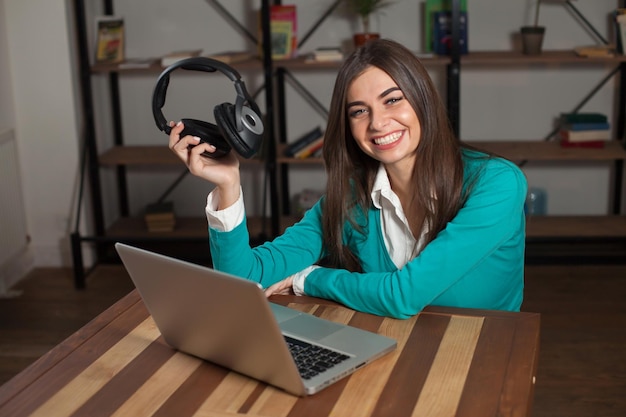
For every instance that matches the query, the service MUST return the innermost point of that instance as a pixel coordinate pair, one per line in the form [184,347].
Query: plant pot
[532,39]
[361,38]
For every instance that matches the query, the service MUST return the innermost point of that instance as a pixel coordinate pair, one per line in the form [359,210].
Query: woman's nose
[378,120]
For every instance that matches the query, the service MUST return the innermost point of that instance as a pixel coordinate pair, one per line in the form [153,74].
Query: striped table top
[449,362]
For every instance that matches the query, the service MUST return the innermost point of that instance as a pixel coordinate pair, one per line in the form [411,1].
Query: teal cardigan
[477,261]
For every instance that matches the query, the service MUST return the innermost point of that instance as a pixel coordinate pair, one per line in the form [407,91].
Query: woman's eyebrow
[388,91]
[381,95]
[355,103]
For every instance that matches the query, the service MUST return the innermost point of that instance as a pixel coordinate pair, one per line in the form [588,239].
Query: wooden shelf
[187,228]
[477,58]
[576,227]
[141,155]
[551,151]
[517,151]
[250,64]
[303,63]
[546,57]
[473,58]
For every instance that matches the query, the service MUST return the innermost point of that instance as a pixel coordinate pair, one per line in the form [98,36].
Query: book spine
[583,144]
[586,126]
[620,18]
[568,118]
[442,33]
[303,141]
[585,135]
[311,149]
[430,8]
[283,28]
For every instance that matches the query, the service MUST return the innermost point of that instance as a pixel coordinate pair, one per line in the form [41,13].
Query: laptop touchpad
[310,327]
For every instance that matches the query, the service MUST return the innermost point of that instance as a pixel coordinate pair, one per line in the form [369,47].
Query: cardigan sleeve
[299,247]
[491,219]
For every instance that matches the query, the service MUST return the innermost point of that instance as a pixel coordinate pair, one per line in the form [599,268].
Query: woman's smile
[389,139]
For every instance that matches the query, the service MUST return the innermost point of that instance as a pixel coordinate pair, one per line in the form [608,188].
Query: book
[310,149]
[587,126]
[585,144]
[568,118]
[326,54]
[293,148]
[442,33]
[431,7]
[159,217]
[134,63]
[175,56]
[109,39]
[620,19]
[619,30]
[595,51]
[283,31]
[231,57]
[585,135]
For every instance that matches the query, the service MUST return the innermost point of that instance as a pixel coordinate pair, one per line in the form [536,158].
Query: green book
[570,118]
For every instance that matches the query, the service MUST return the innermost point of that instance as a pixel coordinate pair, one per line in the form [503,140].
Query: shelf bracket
[319,21]
[233,21]
[585,22]
[307,94]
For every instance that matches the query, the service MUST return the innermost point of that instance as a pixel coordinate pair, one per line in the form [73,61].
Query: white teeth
[390,138]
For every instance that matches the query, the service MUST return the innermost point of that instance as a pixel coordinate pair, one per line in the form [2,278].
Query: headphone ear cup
[208,133]
[247,141]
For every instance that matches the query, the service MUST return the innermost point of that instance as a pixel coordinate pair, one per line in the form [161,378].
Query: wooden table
[449,362]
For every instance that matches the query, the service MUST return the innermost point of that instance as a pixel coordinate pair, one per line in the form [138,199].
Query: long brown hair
[438,171]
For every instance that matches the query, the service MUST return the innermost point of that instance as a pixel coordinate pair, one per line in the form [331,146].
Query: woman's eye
[356,112]
[393,100]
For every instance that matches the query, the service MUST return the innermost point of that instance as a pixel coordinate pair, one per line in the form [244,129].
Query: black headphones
[239,126]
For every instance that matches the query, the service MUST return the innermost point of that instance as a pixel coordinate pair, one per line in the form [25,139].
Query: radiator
[13,232]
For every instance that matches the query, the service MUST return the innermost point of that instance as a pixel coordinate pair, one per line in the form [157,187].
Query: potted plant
[532,36]
[364,9]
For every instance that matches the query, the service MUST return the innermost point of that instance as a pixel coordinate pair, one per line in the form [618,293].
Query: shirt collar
[381,188]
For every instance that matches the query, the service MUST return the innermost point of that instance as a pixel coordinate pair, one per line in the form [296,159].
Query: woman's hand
[284,287]
[223,172]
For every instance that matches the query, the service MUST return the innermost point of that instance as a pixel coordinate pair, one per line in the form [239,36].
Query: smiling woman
[410,218]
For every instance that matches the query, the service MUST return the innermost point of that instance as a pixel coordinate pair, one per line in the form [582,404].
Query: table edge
[21,381]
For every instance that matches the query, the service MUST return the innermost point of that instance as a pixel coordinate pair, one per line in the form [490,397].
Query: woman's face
[382,121]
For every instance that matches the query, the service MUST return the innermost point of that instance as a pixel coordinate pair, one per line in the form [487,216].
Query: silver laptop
[228,321]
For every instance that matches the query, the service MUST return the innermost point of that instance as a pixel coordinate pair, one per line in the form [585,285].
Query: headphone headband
[242,127]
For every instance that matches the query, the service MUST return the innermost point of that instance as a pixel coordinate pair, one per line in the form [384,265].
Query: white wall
[505,103]
[16,258]
[42,83]
[513,103]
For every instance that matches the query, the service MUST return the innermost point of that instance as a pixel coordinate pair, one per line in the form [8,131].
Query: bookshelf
[600,228]
[120,156]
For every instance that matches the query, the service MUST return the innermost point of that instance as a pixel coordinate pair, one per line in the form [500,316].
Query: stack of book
[329,54]
[308,145]
[160,217]
[438,26]
[584,130]
[175,56]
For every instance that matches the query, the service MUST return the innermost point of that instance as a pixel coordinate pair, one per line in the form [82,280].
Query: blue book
[587,126]
[442,32]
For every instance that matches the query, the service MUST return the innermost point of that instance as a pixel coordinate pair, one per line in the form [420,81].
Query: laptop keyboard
[311,359]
